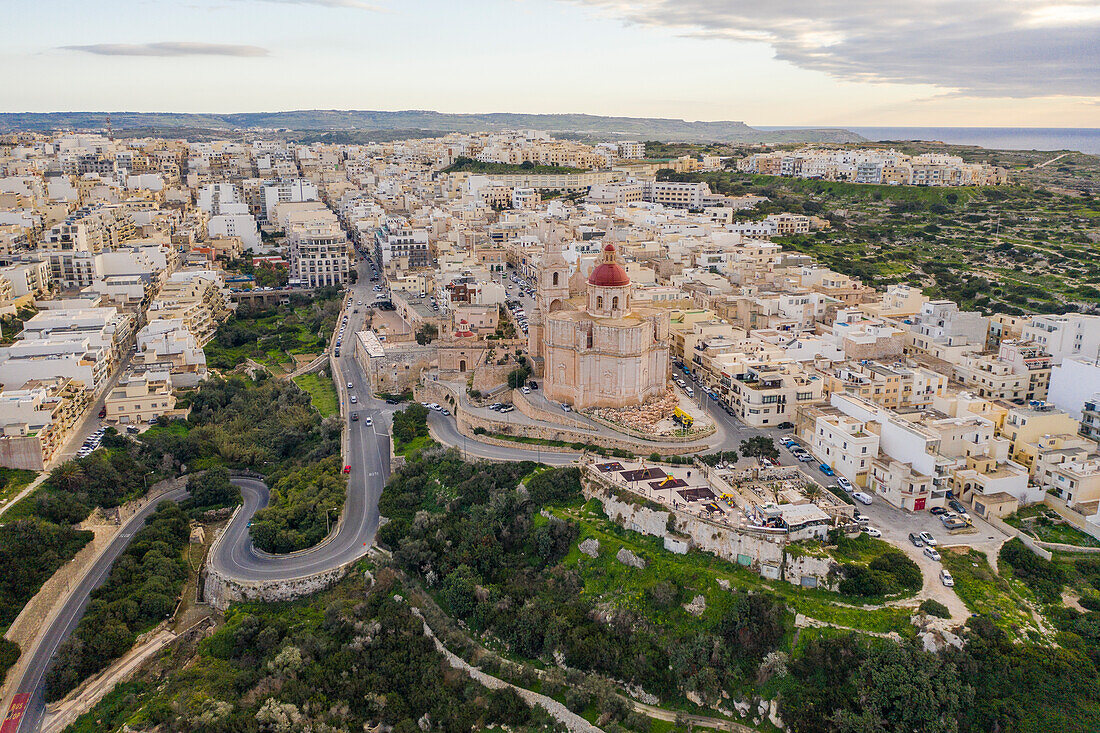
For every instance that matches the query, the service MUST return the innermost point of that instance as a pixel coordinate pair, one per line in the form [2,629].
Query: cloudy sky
[794,62]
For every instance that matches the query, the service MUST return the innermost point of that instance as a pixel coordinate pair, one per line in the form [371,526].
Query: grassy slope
[322,393]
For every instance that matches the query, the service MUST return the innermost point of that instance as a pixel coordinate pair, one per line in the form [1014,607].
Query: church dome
[609,273]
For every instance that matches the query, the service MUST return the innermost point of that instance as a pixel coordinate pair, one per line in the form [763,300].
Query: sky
[1014,63]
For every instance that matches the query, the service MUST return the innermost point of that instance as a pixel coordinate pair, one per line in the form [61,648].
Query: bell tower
[553,291]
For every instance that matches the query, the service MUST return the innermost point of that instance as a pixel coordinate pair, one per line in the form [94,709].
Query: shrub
[933,607]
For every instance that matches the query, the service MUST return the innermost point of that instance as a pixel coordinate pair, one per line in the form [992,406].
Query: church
[597,351]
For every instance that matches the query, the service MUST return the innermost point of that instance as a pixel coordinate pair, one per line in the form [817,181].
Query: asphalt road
[70,613]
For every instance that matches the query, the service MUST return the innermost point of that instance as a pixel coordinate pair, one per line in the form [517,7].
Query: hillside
[579,124]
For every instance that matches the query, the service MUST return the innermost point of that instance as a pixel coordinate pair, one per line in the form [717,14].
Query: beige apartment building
[141,398]
[199,302]
[37,419]
[768,394]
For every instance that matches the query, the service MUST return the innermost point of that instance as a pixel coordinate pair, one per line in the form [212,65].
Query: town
[524,300]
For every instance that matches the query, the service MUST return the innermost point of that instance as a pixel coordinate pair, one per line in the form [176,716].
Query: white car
[928,539]
[566,408]
[931,554]
[845,484]
[861,497]
[946,579]
[351,386]
[526,390]
[354,399]
[435,406]
[872,532]
[367,421]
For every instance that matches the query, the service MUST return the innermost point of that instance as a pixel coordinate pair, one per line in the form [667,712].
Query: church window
[599,301]
[555,278]
[590,336]
[615,303]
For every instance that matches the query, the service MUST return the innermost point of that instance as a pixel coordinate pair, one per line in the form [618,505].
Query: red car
[347,469]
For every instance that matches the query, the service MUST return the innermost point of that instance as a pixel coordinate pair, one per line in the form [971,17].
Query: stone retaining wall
[220,592]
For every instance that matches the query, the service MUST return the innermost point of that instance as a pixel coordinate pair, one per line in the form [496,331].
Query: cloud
[178,48]
[1001,48]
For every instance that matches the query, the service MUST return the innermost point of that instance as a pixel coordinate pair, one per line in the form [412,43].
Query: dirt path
[562,714]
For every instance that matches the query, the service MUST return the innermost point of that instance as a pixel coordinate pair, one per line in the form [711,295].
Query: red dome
[609,275]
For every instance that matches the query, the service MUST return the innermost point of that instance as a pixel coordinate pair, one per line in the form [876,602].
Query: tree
[426,333]
[759,445]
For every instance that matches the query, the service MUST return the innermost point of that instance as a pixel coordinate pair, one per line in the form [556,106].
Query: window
[599,301]
[615,303]
[555,278]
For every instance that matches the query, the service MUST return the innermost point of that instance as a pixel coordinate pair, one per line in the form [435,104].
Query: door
[918,504]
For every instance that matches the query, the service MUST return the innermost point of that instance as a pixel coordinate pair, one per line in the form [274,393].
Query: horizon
[978,64]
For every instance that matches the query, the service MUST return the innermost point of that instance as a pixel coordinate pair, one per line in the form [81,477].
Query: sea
[1083,139]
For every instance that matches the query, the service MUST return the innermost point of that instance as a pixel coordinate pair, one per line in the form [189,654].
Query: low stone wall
[220,592]
[528,408]
[689,438]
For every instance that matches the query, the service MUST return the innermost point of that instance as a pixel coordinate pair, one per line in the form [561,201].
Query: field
[322,393]
[1047,531]
[985,592]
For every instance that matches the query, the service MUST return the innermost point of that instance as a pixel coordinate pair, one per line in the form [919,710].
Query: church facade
[599,351]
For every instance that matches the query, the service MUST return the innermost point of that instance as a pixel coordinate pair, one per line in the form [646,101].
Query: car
[133,429]
[445,412]
[359,302]
[872,532]
[804,457]
[423,404]
[355,417]
[507,408]
[826,469]
[957,506]
[931,554]
[916,539]
[785,425]
[946,579]
[861,497]
[937,511]
[103,411]
[354,399]
[351,386]
[566,408]
[845,484]
[435,406]
[533,385]
[690,391]
[347,469]
[368,421]
[861,519]
[337,352]
[526,390]
[928,539]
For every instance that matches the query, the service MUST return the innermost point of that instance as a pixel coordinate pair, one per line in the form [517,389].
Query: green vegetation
[463,528]
[469,165]
[9,655]
[1043,577]
[265,274]
[577,446]
[14,480]
[889,573]
[760,446]
[1012,249]
[933,607]
[987,593]
[1034,520]
[31,550]
[210,490]
[427,333]
[346,659]
[304,500]
[322,393]
[410,430]
[271,336]
[141,590]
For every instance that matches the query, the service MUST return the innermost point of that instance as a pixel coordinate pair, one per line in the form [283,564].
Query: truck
[682,418]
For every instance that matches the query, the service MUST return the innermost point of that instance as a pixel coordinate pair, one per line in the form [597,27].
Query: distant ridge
[593,126]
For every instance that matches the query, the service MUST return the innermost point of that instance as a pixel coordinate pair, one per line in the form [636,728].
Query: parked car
[526,390]
[785,425]
[351,386]
[103,411]
[826,469]
[507,408]
[355,417]
[928,539]
[845,484]
[566,408]
[931,554]
[872,532]
[445,412]
[368,421]
[804,457]
[957,506]
[861,497]
[916,539]
[937,511]
[861,519]
[392,401]
[347,469]
[354,399]
[946,579]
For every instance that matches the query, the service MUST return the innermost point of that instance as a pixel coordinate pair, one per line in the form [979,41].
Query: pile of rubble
[653,417]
